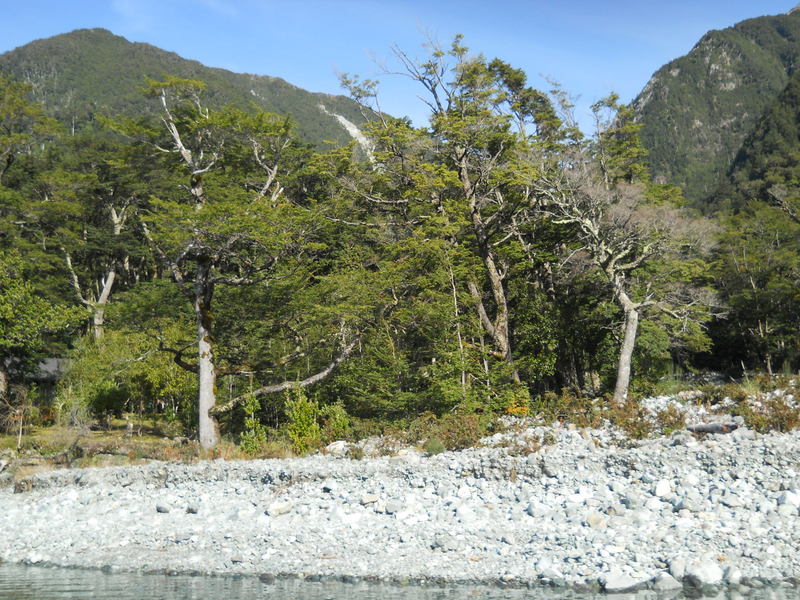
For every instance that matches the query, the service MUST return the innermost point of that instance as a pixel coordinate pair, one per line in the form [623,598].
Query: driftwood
[713,427]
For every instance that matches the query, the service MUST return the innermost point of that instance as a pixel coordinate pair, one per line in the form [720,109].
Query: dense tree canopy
[472,265]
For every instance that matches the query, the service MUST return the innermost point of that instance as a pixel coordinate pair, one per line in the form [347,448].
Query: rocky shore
[685,513]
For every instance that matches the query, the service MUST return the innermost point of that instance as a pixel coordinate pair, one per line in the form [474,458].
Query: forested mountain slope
[79,74]
[697,110]
[767,166]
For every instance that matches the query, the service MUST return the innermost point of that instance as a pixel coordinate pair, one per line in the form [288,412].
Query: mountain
[767,166]
[78,74]
[697,110]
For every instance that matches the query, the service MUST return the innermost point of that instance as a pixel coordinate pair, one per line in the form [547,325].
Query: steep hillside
[698,109]
[767,166]
[86,71]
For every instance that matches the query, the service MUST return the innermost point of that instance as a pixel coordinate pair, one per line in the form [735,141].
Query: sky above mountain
[590,47]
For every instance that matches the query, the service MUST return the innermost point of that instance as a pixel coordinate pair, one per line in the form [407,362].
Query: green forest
[200,266]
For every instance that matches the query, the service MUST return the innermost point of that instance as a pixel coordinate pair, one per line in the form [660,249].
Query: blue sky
[592,47]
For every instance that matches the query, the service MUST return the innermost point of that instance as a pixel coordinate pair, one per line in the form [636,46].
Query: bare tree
[621,233]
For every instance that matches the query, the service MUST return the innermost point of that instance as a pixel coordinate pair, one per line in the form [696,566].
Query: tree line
[199,261]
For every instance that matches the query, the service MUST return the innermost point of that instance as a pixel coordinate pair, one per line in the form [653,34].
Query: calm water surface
[19,582]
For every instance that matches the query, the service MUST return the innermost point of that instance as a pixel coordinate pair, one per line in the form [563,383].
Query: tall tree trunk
[3,379]
[99,307]
[630,328]
[460,340]
[208,430]
[502,335]
[498,330]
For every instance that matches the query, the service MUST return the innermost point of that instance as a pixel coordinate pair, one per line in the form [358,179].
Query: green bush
[434,446]
[302,414]
[455,431]
[254,437]
[336,422]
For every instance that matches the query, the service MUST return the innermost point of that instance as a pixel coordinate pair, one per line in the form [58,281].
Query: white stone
[465,513]
[661,488]
[732,576]
[547,568]
[617,582]
[279,507]
[677,567]
[704,573]
[654,504]
[790,498]
[337,448]
[537,509]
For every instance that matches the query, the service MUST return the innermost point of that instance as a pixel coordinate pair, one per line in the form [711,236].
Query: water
[18,582]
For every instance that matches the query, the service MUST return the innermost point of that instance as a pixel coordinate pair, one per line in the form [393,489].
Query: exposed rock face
[698,109]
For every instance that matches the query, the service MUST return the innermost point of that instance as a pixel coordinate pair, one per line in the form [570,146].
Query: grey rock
[703,573]
[677,567]
[447,543]
[617,582]
[338,448]
[393,506]
[162,508]
[732,575]
[664,582]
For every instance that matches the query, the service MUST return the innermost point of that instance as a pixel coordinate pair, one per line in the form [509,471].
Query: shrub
[336,422]
[568,407]
[670,419]
[454,431]
[254,437]
[631,417]
[302,427]
[434,446]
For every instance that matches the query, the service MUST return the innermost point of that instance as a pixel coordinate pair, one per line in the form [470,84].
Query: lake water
[18,582]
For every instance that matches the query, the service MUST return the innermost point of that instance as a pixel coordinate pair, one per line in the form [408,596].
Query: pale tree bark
[629,330]
[497,328]
[3,380]
[200,263]
[98,303]
[284,386]
[207,427]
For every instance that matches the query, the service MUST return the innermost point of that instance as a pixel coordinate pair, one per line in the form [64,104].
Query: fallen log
[713,427]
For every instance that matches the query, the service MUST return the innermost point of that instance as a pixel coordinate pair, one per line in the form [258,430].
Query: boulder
[703,573]
[664,582]
[617,582]
[338,448]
